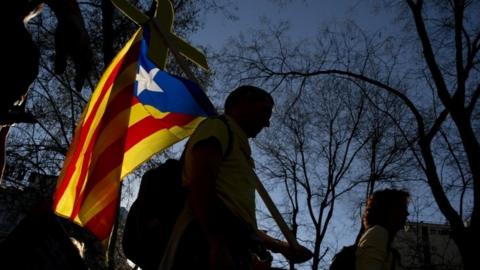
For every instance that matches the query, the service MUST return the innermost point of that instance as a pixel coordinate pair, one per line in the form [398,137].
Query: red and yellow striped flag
[135,111]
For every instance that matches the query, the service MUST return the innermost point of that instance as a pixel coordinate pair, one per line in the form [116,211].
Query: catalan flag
[135,111]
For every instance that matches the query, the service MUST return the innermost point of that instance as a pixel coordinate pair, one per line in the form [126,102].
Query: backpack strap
[230,135]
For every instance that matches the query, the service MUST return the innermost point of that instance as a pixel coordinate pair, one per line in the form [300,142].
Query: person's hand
[296,254]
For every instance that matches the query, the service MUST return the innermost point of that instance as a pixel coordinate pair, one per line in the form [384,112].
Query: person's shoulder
[212,127]
[377,230]
[374,234]
[212,124]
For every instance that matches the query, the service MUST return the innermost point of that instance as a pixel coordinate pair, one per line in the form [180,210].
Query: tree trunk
[467,242]
[472,151]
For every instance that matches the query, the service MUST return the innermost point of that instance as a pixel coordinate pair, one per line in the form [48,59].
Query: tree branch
[428,53]
[436,126]
[377,83]
[473,101]
[458,8]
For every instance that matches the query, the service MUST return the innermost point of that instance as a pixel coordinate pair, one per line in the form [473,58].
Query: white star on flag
[146,81]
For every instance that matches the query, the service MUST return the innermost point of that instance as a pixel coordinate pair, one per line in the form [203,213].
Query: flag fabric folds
[135,111]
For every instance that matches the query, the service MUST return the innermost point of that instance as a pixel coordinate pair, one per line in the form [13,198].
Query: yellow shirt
[235,183]
[372,252]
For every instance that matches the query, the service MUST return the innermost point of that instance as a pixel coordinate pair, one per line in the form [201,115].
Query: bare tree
[328,135]
[41,148]
[316,141]
[439,87]
[316,150]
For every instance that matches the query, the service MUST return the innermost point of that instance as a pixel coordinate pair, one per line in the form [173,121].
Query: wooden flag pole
[272,208]
[112,243]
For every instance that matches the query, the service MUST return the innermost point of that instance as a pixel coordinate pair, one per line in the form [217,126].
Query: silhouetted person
[218,228]
[39,242]
[385,214]
[20,55]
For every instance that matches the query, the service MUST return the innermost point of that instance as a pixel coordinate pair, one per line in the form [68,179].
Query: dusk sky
[366,96]
[305,17]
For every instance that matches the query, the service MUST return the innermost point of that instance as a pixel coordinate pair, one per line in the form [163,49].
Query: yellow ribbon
[158,50]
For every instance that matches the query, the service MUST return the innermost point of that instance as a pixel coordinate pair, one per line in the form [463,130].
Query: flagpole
[292,241]
[113,238]
[272,208]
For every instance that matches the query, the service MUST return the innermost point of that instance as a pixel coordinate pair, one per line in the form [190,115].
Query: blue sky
[305,17]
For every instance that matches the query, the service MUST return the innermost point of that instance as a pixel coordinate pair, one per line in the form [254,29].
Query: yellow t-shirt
[235,183]
[372,252]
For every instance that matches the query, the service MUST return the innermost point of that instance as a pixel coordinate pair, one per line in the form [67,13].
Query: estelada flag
[135,111]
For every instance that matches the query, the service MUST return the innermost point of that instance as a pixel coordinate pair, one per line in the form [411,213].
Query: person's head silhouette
[388,208]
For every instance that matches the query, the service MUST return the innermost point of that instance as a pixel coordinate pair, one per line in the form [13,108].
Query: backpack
[153,214]
[344,259]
